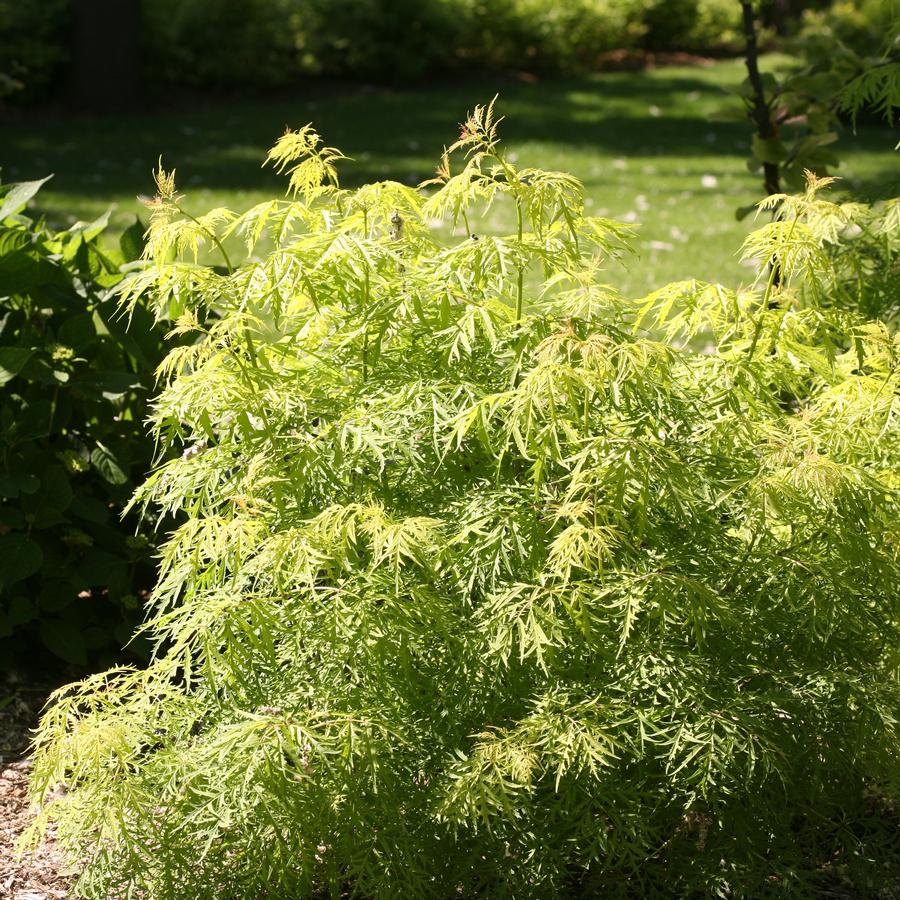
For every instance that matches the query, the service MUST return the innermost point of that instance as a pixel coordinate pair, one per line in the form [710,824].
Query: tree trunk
[105,74]
[762,117]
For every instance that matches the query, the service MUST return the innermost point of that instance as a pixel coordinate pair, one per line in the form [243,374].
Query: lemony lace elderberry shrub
[489,584]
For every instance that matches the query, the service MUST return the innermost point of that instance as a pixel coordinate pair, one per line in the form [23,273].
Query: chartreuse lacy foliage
[495,589]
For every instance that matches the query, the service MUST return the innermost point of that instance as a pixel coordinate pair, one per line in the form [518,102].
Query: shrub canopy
[261,44]
[493,582]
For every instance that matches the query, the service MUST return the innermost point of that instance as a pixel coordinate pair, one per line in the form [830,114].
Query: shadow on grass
[219,144]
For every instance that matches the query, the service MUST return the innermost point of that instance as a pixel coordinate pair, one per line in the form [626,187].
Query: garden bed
[35,876]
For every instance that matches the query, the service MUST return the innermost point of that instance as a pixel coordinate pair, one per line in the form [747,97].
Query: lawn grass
[644,144]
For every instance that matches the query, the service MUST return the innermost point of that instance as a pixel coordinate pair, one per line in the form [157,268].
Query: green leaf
[821,85]
[90,509]
[769,83]
[89,230]
[818,121]
[14,240]
[40,371]
[21,610]
[135,330]
[742,212]
[17,199]
[65,640]
[12,361]
[14,483]
[132,241]
[818,160]
[24,265]
[112,385]
[100,569]
[78,331]
[744,89]
[768,150]
[48,505]
[819,140]
[32,419]
[56,594]
[105,462]
[11,518]
[19,557]
[95,637]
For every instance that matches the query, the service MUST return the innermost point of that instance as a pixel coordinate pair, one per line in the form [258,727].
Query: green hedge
[32,45]
[271,43]
[862,25]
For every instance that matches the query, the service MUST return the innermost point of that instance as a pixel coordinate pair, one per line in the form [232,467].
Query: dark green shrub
[263,44]
[76,382]
[490,585]
[33,46]
[692,25]
[528,34]
[861,25]
[220,43]
[385,40]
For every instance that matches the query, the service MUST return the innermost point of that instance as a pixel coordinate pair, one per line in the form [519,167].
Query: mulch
[30,876]
[641,60]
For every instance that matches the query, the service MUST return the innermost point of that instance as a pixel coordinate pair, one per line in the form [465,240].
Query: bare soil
[30,876]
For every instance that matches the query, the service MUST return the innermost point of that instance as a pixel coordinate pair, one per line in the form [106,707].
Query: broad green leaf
[14,483]
[78,331]
[134,329]
[13,241]
[21,610]
[65,640]
[109,385]
[17,199]
[47,506]
[132,241]
[81,234]
[12,361]
[769,150]
[105,462]
[102,569]
[90,509]
[19,557]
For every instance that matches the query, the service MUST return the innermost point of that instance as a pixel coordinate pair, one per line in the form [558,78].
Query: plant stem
[766,304]
[366,293]
[520,286]
[760,114]
[312,293]
[212,236]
